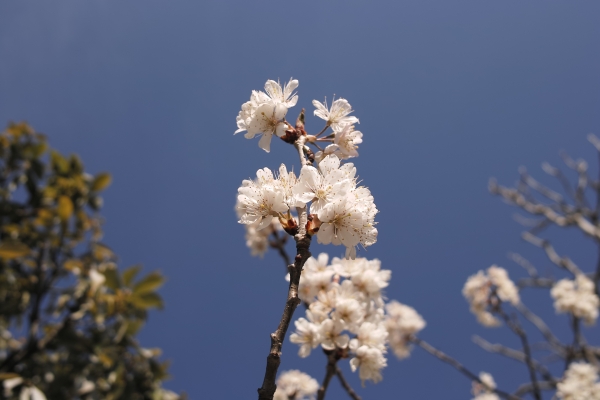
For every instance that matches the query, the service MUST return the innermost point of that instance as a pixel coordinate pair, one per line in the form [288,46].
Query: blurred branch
[457,365]
[345,384]
[542,327]
[512,353]
[332,360]
[514,325]
[562,262]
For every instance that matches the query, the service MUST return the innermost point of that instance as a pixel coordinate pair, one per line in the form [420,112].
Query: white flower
[401,322]
[331,334]
[264,112]
[342,223]
[10,383]
[307,335]
[579,383]
[260,200]
[268,120]
[346,142]
[485,391]
[350,311]
[324,186]
[31,393]
[337,116]
[478,288]
[296,385]
[96,280]
[371,335]
[286,181]
[576,297]
[505,288]
[285,96]
[370,361]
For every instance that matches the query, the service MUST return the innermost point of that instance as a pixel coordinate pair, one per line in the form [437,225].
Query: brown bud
[313,224]
[289,225]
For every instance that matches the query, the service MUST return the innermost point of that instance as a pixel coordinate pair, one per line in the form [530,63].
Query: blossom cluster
[295,385]
[347,313]
[576,297]
[484,390]
[342,212]
[479,288]
[579,383]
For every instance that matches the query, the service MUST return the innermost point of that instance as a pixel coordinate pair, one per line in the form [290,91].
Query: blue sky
[449,94]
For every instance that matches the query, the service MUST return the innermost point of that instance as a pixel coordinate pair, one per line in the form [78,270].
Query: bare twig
[512,353]
[523,262]
[529,387]
[514,325]
[457,365]
[542,327]
[345,384]
[563,262]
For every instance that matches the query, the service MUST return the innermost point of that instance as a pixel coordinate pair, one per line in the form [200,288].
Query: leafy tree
[68,316]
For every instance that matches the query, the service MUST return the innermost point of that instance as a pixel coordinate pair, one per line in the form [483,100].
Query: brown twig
[332,360]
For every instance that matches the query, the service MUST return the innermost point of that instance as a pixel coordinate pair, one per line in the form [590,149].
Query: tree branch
[267,390]
[457,365]
[345,384]
[332,360]
[516,328]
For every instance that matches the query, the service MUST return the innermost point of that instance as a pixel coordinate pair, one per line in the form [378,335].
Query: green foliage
[68,315]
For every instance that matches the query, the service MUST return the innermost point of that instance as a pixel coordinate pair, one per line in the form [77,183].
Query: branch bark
[332,360]
[345,384]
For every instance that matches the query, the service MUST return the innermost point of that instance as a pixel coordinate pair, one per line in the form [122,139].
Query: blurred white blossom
[295,385]
[576,297]
[580,382]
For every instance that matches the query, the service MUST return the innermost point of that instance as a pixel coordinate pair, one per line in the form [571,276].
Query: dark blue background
[449,93]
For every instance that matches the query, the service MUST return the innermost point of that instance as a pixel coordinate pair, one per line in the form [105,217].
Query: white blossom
[31,393]
[332,336]
[265,112]
[505,288]
[307,335]
[485,391]
[336,117]
[478,288]
[322,186]
[371,335]
[579,383]
[295,385]
[260,200]
[342,223]
[345,144]
[576,297]
[369,361]
[401,322]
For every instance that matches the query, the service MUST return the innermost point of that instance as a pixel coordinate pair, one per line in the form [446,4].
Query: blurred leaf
[10,249]
[101,182]
[106,361]
[59,163]
[130,273]
[102,252]
[112,279]
[148,283]
[134,326]
[147,300]
[64,208]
